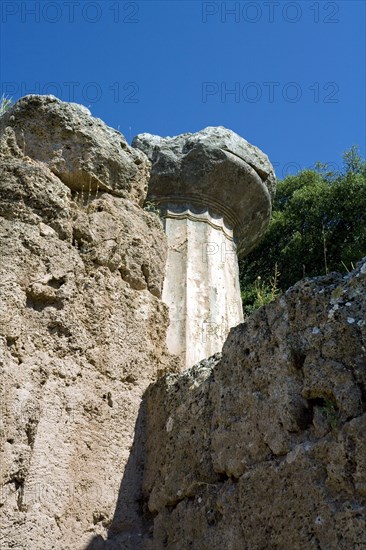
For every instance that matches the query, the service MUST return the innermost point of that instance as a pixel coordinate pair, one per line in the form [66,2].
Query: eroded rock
[82,327]
[82,151]
[265,447]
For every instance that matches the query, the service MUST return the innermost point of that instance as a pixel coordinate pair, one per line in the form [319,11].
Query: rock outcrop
[262,446]
[265,446]
[80,150]
[82,326]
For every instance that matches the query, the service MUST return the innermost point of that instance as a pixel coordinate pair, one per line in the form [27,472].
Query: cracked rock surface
[82,326]
[265,446]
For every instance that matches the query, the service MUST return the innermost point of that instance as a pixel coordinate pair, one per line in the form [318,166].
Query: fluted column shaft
[201,285]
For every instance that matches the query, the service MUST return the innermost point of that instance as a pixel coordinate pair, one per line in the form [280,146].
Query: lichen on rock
[82,151]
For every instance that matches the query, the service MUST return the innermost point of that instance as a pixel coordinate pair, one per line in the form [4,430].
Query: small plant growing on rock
[150,206]
[330,412]
[267,292]
[5,104]
[261,293]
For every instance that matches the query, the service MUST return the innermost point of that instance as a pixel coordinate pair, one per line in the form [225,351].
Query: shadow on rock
[129,529]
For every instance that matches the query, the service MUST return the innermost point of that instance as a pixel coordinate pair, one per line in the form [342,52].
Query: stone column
[213,190]
[201,285]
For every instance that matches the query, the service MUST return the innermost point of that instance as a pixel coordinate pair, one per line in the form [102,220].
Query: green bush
[318,225]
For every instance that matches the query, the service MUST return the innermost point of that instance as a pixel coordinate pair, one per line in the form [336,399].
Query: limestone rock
[265,447]
[80,150]
[260,447]
[82,327]
[213,167]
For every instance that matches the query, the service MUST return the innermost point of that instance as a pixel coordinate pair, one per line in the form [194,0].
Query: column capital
[204,216]
[213,170]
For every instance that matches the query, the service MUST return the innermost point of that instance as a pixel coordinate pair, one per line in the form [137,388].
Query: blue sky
[287,76]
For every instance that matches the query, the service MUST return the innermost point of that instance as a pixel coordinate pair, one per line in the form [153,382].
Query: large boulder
[82,151]
[215,169]
[265,446]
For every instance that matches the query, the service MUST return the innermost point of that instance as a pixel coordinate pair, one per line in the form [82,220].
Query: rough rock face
[82,327]
[80,150]
[265,447]
[214,168]
[261,447]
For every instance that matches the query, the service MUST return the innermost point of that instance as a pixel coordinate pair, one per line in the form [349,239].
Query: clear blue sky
[296,69]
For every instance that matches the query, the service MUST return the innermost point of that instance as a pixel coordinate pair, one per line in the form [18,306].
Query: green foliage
[153,208]
[260,293]
[330,412]
[318,225]
[353,161]
[5,104]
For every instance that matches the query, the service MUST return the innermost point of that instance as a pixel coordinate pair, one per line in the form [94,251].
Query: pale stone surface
[82,334]
[261,448]
[265,447]
[214,190]
[201,286]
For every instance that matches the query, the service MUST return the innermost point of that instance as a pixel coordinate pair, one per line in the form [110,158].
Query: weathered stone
[80,150]
[262,447]
[213,189]
[213,168]
[265,447]
[201,285]
[82,334]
